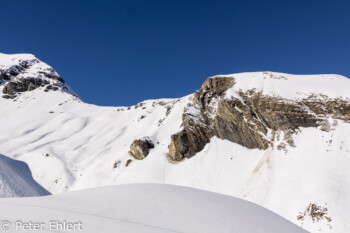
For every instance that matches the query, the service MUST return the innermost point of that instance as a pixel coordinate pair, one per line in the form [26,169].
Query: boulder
[140,148]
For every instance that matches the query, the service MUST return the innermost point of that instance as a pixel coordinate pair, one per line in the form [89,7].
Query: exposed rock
[250,119]
[25,84]
[231,124]
[4,76]
[116,164]
[189,141]
[197,133]
[51,87]
[128,162]
[139,149]
[28,75]
[8,96]
[316,213]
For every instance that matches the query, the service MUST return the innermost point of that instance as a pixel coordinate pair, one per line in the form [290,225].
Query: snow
[84,141]
[146,208]
[16,179]
[36,69]
[290,86]
[8,60]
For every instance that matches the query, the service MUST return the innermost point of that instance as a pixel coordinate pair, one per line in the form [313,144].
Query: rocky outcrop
[250,118]
[232,124]
[189,141]
[197,119]
[14,70]
[28,75]
[140,148]
[25,84]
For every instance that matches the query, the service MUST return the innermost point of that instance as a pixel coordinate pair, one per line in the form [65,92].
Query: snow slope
[145,208]
[291,86]
[16,180]
[71,145]
[8,60]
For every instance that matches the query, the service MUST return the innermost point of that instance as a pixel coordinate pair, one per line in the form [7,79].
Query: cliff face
[250,117]
[197,121]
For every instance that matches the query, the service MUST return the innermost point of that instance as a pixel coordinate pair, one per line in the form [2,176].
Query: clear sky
[122,52]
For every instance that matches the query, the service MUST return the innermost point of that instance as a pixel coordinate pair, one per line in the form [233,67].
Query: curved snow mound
[148,208]
[16,180]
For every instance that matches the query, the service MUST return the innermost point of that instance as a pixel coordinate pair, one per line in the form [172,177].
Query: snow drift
[16,180]
[145,208]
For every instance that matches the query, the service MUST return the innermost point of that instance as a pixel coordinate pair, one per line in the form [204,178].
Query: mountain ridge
[24,72]
[303,161]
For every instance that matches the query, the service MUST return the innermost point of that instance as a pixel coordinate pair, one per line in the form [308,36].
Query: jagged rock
[229,123]
[189,141]
[25,84]
[212,87]
[7,97]
[51,87]
[28,75]
[139,149]
[4,77]
[248,118]
[197,133]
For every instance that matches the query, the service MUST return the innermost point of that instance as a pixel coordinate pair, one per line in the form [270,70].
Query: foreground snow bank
[144,208]
[16,180]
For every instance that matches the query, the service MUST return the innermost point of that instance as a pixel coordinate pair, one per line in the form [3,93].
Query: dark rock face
[139,149]
[15,70]
[229,123]
[15,83]
[197,132]
[189,141]
[25,84]
[251,120]
[4,77]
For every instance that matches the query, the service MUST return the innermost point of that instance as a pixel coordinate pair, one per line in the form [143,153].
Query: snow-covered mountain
[143,208]
[278,140]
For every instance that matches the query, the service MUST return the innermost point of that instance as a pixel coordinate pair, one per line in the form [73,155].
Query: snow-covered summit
[290,86]
[24,72]
[7,60]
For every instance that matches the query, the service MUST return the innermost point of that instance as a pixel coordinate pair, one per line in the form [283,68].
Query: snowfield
[70,145]
[143,208]
[291,86]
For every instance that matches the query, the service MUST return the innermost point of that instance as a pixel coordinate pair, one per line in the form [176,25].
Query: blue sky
[122,52]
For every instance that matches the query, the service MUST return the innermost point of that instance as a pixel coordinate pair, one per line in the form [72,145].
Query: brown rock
[139,149]
[247,119]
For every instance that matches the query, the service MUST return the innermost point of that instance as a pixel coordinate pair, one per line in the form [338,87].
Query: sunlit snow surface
[291,86]
[145,208]
[16,180]
[70,145]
